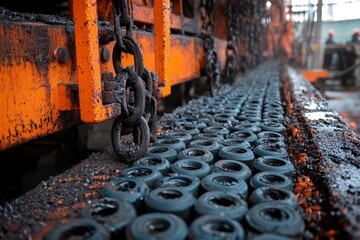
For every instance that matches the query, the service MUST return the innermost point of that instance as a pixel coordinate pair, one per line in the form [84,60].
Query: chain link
[212,67]
[137,88]
[248,16]
[233,21]
[136,91]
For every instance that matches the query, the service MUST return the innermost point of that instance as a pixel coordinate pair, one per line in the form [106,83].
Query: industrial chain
[260,30]
[212,66]
[255,31]
[251,31]
[135,91]
[232,20]
[244,14]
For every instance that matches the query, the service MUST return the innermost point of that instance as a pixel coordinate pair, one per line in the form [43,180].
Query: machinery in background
[325,60]
[341,60]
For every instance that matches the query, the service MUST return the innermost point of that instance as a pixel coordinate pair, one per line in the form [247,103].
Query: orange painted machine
[61,71]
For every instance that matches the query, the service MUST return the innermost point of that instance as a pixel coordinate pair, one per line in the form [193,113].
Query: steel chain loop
[212,67]
[130,152]
[136,91]
[244,22]
[250,21]
[150,101]
[245,13]
[231,64]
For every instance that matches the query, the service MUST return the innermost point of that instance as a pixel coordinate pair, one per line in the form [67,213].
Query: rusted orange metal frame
[41,94]
[162,43]
[88,72]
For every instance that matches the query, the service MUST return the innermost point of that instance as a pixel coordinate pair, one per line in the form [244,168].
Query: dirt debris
[326,152]
[59,198]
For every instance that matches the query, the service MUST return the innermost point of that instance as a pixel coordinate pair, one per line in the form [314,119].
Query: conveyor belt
[324,151]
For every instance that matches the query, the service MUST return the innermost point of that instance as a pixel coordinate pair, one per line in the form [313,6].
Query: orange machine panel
[50,74]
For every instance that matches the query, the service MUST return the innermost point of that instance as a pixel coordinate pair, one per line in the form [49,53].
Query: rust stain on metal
[28,75]
[43,86]
[162,44]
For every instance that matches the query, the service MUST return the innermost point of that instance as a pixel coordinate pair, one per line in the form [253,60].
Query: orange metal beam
[88,64]
[162,44]
[38,93]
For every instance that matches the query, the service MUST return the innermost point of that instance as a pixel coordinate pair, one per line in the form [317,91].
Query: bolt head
[63,55]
